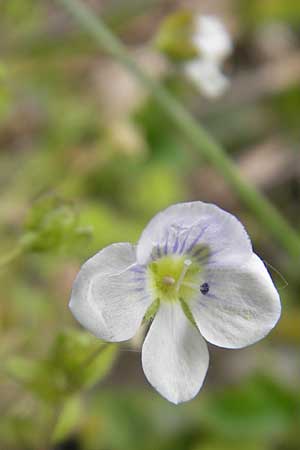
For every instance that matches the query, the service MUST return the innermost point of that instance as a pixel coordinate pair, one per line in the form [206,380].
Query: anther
[204,288]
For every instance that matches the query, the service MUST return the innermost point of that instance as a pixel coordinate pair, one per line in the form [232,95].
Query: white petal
[108,295]
[212,39]
[174,356]
[241,307]
[179,228]
[207,77]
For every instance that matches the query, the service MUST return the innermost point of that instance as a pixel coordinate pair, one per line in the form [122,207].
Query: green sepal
[188,313]
[175,36]
[151,311]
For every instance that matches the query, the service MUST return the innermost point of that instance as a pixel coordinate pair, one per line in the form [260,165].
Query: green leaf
[81,358]
[75,361]
[68,419]
[18,431]
[38,377]
[100,365]
[21,369]
[260,407]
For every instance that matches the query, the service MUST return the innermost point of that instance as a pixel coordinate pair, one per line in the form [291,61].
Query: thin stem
[265,212]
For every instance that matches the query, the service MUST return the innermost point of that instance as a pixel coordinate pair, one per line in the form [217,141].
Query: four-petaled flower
[194,270]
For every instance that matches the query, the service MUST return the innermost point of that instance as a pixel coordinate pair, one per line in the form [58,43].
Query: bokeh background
[86,158]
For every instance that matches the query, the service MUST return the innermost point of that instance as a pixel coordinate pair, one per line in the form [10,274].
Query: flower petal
[183,227]
[109,296]
[174,356]
[241,306]
[207,77]
[212,38]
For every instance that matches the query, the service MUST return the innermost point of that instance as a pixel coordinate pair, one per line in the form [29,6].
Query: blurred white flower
[194,272]
[207,76]
[212,39]
[214,45]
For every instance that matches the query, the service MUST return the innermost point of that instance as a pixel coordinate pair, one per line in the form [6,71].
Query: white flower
[207,76]
[214,45]
[212,39]
[195,268]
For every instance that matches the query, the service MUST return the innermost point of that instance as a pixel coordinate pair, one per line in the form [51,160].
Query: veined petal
[241,306]
[182,228]
[109,296]
[174,355]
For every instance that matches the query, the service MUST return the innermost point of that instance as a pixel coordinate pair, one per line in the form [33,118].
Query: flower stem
[211,150]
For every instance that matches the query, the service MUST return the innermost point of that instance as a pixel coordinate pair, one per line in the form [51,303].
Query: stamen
[185,268]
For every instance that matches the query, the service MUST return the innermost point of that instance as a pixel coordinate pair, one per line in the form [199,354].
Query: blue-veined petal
[109,296]
[241,306]
[185,227]
[174,355]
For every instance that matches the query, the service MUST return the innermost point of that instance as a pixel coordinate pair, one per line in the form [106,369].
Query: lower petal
[109,296]
[241,306]
[174,356]
[207,76]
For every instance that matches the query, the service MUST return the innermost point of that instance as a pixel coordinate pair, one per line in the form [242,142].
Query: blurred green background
[86,158]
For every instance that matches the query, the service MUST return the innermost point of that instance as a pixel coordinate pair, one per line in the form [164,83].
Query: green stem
[265,212]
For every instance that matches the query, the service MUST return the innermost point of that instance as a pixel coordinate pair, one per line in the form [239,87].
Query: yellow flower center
[174,277]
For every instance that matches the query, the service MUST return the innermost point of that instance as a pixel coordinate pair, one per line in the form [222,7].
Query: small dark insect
[204,288]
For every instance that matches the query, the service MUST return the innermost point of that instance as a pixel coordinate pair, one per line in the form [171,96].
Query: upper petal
[183,227]
[241,306]
[174,356]
[109,296]
[212,38]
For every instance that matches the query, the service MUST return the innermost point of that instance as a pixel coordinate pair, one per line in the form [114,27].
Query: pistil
[170,277]
[168,281]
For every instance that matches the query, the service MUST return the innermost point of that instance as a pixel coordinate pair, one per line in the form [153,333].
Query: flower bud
[175,36]
[51,224]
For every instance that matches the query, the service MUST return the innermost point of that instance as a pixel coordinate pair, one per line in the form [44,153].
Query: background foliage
[86,158]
